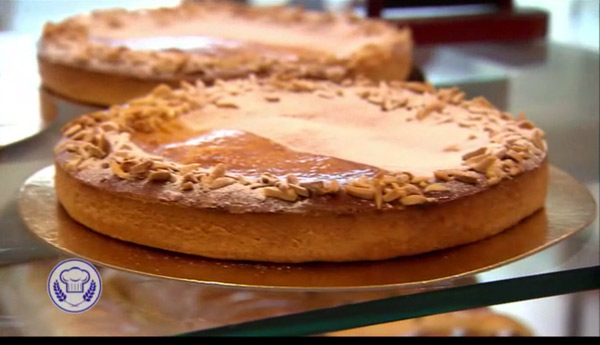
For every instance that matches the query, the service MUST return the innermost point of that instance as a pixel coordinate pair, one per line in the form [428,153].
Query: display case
[555,85]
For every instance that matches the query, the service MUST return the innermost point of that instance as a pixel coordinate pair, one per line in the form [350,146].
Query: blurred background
[573,22]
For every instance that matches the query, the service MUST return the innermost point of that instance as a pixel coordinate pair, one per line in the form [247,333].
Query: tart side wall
[294,238]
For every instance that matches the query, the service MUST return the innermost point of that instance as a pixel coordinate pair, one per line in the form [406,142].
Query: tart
[111,56]
[301,170]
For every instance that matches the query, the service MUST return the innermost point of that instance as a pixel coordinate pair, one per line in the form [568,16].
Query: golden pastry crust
[111,56]
[144,173]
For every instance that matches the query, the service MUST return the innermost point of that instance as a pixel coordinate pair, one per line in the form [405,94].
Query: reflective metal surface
[569,208]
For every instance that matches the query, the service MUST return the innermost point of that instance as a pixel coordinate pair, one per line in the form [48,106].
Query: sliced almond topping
[141,167]
[190,177]
[274,192]
[452,148]
[218,171]
[432,107]
[72,130]
[377,188]
[332,187]
[393,195]
[413,200]
[442,175]
[472,154]
[514,155]
[459,97]
[410,189]
[300,190]
[436,187]
[243,180]
[159,176]
[466,176]
[116,169]
[95,151]
[359,192]
[525,124]
[225,103]
[483,165]
[187,185]
[419,179]
[221,182]
[514,170]
[419,87]
[272,98]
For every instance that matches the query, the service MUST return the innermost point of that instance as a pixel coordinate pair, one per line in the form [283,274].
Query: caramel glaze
[249,155]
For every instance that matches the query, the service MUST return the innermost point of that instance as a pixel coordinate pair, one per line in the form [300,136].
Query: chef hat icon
[75,278]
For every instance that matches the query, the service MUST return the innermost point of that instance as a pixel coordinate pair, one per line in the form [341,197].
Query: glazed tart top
[274,145]
[223,40]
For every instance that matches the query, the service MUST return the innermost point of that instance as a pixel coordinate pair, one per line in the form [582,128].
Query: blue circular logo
[74,285]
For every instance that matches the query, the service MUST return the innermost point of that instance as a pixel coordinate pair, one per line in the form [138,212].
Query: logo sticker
[74,285]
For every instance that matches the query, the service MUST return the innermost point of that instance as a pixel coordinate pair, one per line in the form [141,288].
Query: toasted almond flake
[274,192]
[377,188]
[243,180]
[72,164]
[361,182]
[452,148]
[514,155]
[393,195]
[221,182]
[72,130]
[514,171]
[472,154]
[259,185]
[190,177]
[218,171]
[436,187]
[419,179]
[525,124]
[478,109]
[95,151]
[314,186]
[272,98]
[283,185]
[466,176]
[332,187]
[109,126]
[159,176]
[442,175]
[419,87]
[410,189]
[483,102]
[428,109]
[459,97]
[225,103]
[359,192]
[160,165]
[484,164]
[141,167]
[413,200]
[187,186]
[116,169]
[184,169]
[300,190]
